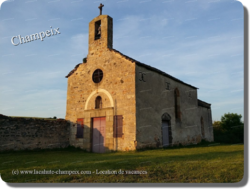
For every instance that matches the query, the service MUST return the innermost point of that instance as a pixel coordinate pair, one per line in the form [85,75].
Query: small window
[97,76]
[98,30]
[168,86]
[80,127]
[98,102]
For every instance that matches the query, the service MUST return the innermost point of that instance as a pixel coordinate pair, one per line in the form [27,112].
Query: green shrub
[229,130]
[228,138]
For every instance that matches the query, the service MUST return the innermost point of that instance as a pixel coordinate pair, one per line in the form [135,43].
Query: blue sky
[197,41]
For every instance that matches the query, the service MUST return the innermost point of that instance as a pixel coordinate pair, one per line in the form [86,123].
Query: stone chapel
[117,103]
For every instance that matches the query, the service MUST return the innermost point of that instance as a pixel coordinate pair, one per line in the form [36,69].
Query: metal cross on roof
[100,7]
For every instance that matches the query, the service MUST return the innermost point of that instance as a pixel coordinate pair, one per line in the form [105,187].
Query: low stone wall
[32,133]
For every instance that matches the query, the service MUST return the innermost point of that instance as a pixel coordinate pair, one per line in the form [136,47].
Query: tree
[230,129]
[230,121]
[216,124]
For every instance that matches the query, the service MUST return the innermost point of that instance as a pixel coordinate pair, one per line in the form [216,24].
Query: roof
[140,64]
[152,68]
[72,71]
[203,104]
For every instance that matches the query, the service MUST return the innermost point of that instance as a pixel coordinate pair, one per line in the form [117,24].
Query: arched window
[177,104]
[202,128]
[98,102]
[98,30]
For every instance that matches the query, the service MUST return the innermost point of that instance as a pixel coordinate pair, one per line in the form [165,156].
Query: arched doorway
[166,130]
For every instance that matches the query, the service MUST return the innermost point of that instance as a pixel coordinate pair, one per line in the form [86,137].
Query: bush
[229,130]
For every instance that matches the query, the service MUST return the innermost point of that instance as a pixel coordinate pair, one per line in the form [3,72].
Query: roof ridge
[203,101]
[72,71]
[151,68]
[203,104]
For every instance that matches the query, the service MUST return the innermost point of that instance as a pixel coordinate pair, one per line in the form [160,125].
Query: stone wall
[153,99]
[206,115]
[31,133]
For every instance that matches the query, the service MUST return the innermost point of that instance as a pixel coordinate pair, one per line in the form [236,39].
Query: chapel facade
[117,103]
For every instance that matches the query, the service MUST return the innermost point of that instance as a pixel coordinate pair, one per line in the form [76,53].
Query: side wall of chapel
[153,99]
[205,121]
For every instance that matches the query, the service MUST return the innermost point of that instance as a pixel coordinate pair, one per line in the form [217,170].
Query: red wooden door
[98,143]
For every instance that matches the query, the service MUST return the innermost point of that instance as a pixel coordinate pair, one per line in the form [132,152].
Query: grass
[194,164]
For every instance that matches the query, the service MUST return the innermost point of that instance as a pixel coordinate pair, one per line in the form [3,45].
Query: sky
[197,41]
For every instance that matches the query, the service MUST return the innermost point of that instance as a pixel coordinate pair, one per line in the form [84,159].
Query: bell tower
[101,32]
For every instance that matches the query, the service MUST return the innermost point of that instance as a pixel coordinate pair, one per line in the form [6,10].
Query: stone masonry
[117,90]
[29,133]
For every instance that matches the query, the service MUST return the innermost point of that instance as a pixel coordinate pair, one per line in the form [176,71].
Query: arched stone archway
[166,130]
[99,91]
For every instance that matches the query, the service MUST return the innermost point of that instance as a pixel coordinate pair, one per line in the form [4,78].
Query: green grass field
[193,164]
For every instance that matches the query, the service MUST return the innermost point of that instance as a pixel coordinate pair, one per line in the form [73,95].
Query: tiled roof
[140,64]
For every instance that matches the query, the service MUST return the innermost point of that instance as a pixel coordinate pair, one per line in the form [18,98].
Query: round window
[97,76]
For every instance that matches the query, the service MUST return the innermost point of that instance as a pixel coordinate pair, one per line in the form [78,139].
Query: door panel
[98,144]
[165,134]
[102,134]
[95,136]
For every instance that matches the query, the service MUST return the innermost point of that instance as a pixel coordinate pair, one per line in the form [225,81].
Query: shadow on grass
[203,143]
[67,149]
